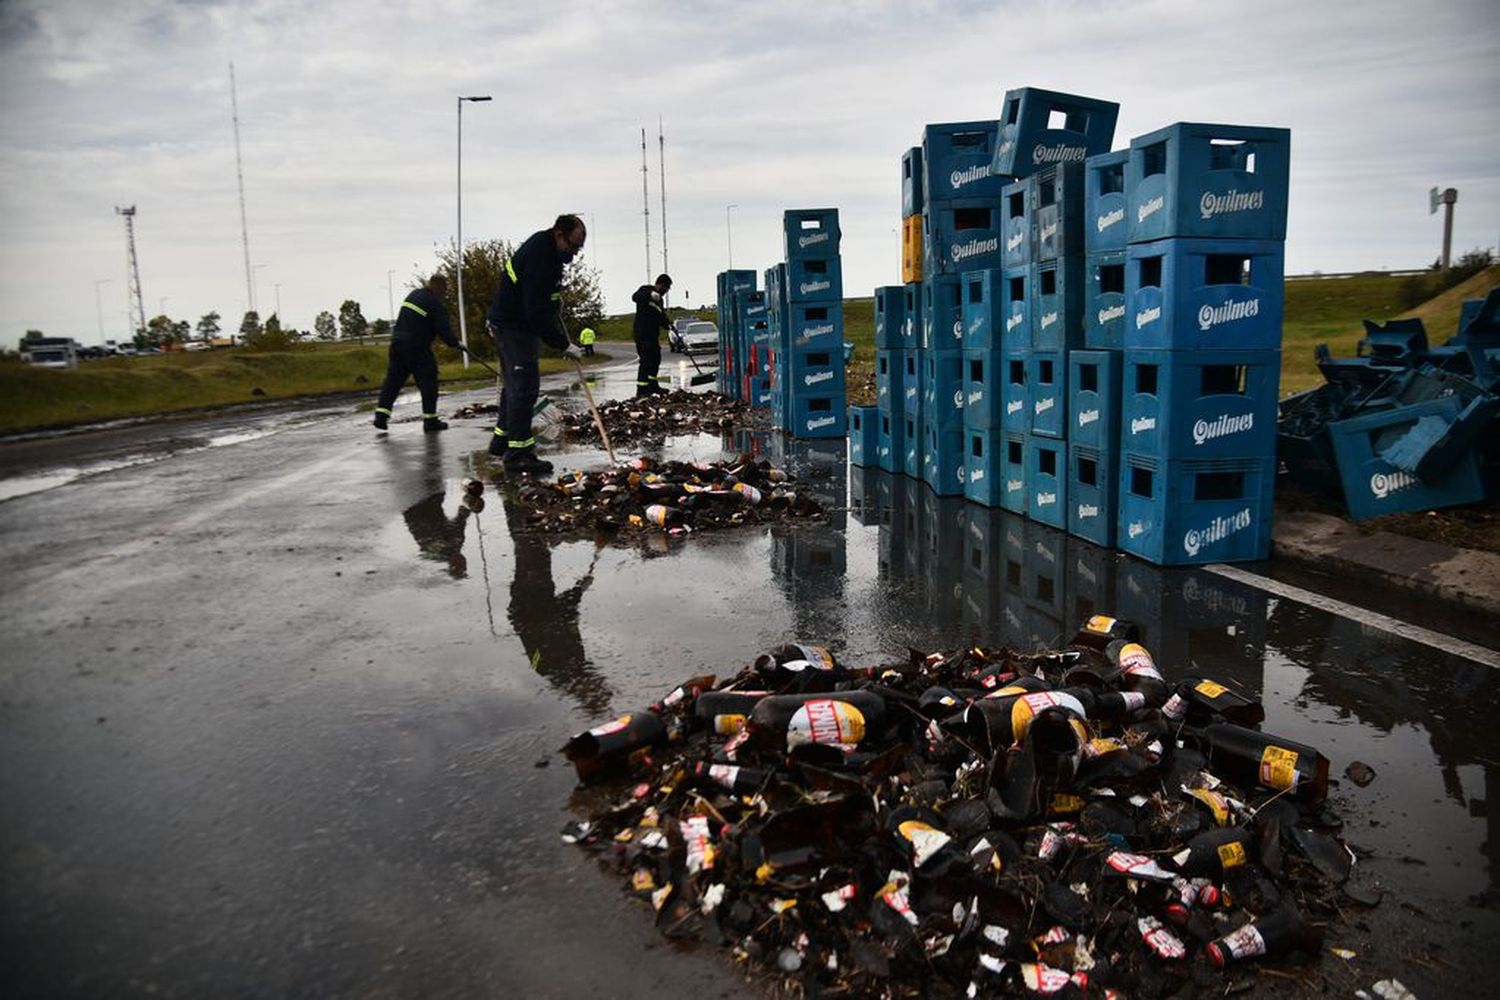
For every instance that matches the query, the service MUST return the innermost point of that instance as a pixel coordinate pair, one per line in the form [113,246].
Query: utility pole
[133,272]
[239,172]
[1447,199]
[661,145]
[646,205]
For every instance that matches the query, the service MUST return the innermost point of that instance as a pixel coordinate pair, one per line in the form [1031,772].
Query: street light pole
[99,306]
[729,233]
[390,297]
[278,300]
[458,264]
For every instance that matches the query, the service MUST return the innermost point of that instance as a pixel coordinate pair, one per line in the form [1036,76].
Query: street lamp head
[485,97]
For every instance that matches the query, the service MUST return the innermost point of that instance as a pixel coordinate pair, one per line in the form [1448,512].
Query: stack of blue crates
[736,291]
[1205,216]
[805,315]
[890,388]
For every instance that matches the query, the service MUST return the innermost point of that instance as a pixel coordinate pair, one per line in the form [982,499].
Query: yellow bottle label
[1065,804]
[1278,768]
[1209,689]
[1103,624]
[1231,855]
[1216,804]
[728,725]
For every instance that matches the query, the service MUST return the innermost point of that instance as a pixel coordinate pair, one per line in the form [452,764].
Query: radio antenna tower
[661,144]
[646,205]
[239,171]
[134,275]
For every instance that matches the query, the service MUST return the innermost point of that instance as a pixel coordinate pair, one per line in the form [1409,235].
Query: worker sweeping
[525,312]
[650,320]
[423,316]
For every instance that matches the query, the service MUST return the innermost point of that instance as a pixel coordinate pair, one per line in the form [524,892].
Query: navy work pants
[410,358]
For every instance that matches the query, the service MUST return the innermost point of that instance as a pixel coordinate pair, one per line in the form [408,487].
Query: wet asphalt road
[279,718]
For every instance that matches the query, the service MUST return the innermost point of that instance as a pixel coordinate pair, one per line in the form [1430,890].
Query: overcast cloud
[347,117]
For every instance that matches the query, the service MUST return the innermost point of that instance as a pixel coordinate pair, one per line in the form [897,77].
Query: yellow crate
[911,249]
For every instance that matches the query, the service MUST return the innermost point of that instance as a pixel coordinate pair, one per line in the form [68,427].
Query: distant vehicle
[50,352]
[700,337]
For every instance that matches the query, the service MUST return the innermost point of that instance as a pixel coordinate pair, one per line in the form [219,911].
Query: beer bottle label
[1102,745]
[1175,708]
[1245,942]
[1043,978]
[1134,660]
[1278,768]
[925,840]
[657,515]
[894,895]
[1062,804]
[1134,700]
[1028,707]
[611,727]
[1005,692]
[1216,803]
[724,774]
[700,849]
[836,899]
[1231,855]
[817,656]
[827,722]
[1159,939]
[1099,624]
[1209,689]
[643,880]
[1138,866]
[728,725]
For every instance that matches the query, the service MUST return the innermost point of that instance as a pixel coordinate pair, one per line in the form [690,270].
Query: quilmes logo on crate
[977,396]
[1086,417]
[1113,217]
[1150,207]
[959,252]
[1015,240]
[1220,528]
[976,325]
[1212,598]
[1043,405]
[1040,154]
[1014,486]
[1111,313]
[1383,484]
[1014,406]
[1089,510]
[1226,424]
[1142,424]
[814,378]
[978,476]
[808,287]
[1046,498]
[806,336]
[1048,319]
[817,422]
[1014,320]
[960,178]
[813,239]
[1230,201]
[1135,529]
[1211,316]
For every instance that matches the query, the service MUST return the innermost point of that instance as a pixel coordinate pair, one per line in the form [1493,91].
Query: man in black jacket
[650,320]
[527,310]
[423,317]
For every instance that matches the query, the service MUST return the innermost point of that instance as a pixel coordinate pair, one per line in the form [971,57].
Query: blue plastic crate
[983,321]
[815,372]
[1373,486]
[775,290]
[1047,481]
[733,281]
[984,477]
[890,314]
[815,325]
[1200,404]
[1015,308]
[748,307]
[1219,181]
[1104,202]
[1194,295]
[1186,511]
[887,365]
[1104,300]
[1094,399]
[815,279]
[1057,304]
[1057,212]
[810,233]
[1093,486]
[890,441]
[760,390]
[1042,127]
[943,389]
[943,458]
[911,316]
[1016,237]
[960,235]
[958,161]
[912,200]
[911,445]
[984,406]
[1047,389]
[1015,391]
[943,314]
[864,435]
[818,416]
[911,382]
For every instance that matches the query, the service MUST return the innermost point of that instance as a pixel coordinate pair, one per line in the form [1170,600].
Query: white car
[700,337]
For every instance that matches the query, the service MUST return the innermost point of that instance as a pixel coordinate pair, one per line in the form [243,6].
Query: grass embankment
[113,388]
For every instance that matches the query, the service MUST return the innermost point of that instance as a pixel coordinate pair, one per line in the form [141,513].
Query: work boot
[497,445]
[432,425]
[382,421]
[525,461]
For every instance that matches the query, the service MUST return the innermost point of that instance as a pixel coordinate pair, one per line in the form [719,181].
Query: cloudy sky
[348,127]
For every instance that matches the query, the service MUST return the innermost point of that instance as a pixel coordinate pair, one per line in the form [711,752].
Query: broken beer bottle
[1252,759]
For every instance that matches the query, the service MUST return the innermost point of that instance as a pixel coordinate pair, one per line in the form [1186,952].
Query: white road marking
[1406,630]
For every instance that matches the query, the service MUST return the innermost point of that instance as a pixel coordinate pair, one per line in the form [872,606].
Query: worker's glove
[573,351]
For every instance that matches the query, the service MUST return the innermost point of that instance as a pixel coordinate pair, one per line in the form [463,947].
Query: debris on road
[972,823]
[648,496]
[655,417]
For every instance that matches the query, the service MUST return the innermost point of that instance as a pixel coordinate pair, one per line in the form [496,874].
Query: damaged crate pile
[675,497]
[1403,427]
[971,823]
[744,340]
[656,417]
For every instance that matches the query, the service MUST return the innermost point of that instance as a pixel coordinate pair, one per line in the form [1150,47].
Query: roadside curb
[1464,578]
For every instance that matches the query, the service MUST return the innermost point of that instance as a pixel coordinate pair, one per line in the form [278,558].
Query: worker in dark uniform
[422,317]
[527,311]
[650,321]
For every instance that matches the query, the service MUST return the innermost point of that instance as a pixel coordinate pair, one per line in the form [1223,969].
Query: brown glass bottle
[842,718]
[1199,701]
[615,746]
[1279,931]
[1250,759]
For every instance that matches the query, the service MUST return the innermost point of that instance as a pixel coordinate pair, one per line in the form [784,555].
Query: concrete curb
[1465,578]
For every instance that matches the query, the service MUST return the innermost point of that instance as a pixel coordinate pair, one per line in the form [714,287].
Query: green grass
[1318,311]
